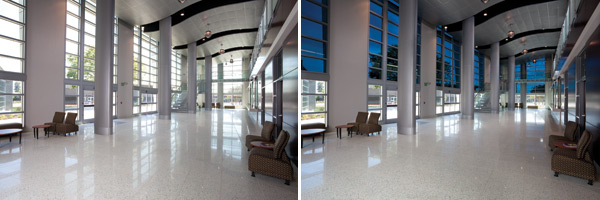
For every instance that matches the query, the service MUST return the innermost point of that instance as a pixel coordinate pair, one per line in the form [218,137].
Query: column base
[102,131]
[407,131]
[192,111]
[466,116]
[164,117]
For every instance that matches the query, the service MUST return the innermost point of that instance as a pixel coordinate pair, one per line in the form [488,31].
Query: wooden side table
[311,132]
[262,144]
[36,131]
[347,127]
[12,131]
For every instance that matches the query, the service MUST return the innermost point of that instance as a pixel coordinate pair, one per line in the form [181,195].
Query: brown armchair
[265,135]
[272,162]
[371,126]
[69,126]
[577,163]
[59,118]
[361,118]
[569,135]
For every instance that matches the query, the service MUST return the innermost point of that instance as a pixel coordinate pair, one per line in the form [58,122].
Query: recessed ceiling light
[506,39]
[476,46]
[484,14]
[181,1]
[511,34]
[445,27]
[484,1]
[182,14]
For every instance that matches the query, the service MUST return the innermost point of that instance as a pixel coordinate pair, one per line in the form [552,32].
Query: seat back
[280,144]
[361,117]
[59,117]
[570,130]
[374,118]
[267,130]
[71,117]
[583,144]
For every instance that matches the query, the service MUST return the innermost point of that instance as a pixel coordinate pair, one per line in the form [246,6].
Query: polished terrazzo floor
[191,156]
[494,156]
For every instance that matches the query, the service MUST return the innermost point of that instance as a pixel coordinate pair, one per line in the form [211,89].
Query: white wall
[348,56]
[45,61]
[428,64]
[125,71]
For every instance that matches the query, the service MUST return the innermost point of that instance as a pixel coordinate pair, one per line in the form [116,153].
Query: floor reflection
[189,156]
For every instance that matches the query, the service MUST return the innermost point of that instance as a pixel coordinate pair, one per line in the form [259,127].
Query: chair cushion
[280,143]
[71,117]
[267,130]
[374,118]
[59,117]
[583,144]
[570,130]
[361,117]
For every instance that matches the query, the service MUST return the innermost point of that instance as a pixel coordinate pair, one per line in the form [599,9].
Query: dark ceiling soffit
[217,35]
[190,11]
[534,50]
[520,35]
[494,11]
[230,50]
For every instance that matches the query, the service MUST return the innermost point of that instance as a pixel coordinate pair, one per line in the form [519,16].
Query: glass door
[88,105]
[391,106]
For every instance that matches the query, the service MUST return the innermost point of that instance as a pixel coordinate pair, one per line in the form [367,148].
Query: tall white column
[105,13]
[406,75]
[467,72]
[125,74]
[495,77]
[164,74]
[511,83]
[191,77]
[208,82]
[220,85]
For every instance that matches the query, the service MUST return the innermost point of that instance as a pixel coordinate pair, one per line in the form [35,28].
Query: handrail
[265,22]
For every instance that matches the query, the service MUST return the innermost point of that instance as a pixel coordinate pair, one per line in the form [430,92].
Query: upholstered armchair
[371,126]
[69,126]
[265,135]
[361,118]
[59,118]
[577,162]
[272,162]
[569,135]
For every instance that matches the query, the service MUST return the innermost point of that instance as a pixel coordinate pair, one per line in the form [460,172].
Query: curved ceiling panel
[549,15]
[237,16]
[218,35]
[232,41]
[538,40]
[145,11]
[534,55]
[228,52]
[538,51]
[191,11]
[450,11]
[519,36]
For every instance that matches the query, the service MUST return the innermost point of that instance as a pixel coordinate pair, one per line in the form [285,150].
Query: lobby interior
[165,93]
[468,92]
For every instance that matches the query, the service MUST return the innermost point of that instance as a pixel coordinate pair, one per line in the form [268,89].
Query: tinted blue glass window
[375,61]
[313,48]
[313,11]
[392,28]
[313,29]
[374,20]
[374,48]
[374,73]
[393,17]
[376,8]
[392,52]
[392,40]
[392,76]
[313,64]
[374,34]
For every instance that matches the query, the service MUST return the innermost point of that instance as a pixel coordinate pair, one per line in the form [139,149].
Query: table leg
[35,133]
[47,130]
[20,135]
[323,134]
[301,142]
[349,132]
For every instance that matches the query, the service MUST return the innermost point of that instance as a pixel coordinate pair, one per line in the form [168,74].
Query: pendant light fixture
[208,32]
[181,1]
[534,61]
[221,51]
[524,51]
[231,60]
[511,33]
[484,1]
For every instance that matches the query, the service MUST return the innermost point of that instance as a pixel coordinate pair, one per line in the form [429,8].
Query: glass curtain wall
[145,72]
[229,81]
[448,57]
[12,61]
[314,48]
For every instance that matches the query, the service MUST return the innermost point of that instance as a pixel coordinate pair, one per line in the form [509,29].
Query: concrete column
[406,74]
[220,87]
[495,77]
[467,69]
[511,83]
[105,13]
[245,90]
[208,82]
[164,71]
[192,66]
[428,64]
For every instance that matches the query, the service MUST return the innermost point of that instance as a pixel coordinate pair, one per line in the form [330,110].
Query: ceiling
[538,16]
[236,16]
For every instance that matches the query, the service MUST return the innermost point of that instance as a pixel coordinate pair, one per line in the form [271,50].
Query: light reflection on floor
[199,156]
[494,156]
